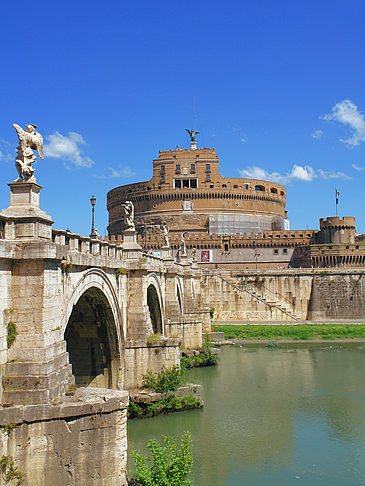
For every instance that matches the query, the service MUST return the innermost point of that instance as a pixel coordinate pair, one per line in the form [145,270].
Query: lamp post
[93,233]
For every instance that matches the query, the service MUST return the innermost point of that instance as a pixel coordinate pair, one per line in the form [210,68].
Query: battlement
[183,153]
[346,222]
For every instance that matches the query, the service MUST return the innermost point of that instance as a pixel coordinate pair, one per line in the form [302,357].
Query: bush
[167,404]
[167,465]
[12,333]
[205,357]
[167,380]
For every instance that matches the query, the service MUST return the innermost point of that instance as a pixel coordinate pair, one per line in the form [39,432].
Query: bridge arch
[155,303]
[93,332]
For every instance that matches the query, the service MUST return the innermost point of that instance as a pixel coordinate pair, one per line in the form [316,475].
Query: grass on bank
[299,331]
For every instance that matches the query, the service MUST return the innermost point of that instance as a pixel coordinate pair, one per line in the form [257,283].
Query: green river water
[286,416]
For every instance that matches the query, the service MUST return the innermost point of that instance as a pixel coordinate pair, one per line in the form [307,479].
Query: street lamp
[93,233]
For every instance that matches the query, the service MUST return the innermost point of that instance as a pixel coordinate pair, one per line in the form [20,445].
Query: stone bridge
[87,311]
[81,321]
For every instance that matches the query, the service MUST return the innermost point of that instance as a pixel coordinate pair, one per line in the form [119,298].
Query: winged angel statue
[28,139]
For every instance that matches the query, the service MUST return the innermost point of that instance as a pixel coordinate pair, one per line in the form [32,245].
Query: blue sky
[279,88]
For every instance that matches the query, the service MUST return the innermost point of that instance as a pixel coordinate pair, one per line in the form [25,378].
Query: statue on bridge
[183,244]
[129,215]
[165,235]
[29,140]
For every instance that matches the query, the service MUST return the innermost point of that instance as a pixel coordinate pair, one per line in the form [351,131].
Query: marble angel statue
[29,140]
[129,215]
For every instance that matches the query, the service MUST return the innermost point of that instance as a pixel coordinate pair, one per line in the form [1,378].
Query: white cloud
[357,167]
[67,148]
[243,139]
[317,134]
[346,112]
[297,173]
[5,156]
[123,173]
[325,174]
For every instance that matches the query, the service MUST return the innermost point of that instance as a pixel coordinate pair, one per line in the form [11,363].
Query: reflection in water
[274,417]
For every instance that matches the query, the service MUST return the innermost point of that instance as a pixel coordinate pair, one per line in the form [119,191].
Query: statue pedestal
[166,253]
[194,264]
[130,247]
[24,219]
[183,259]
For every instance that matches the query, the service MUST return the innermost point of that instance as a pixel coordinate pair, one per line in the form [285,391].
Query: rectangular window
[177,169]
[162,169]
[162,178]
[193,183]
[192,168]
[186,183]
[177,183]
[207,167]
[246,187]
[285,251]
[207,177]
[276,252]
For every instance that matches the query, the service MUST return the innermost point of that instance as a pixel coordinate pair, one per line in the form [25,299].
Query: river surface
[287,416]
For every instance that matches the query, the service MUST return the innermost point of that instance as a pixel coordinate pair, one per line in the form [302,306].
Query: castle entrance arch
[154,307]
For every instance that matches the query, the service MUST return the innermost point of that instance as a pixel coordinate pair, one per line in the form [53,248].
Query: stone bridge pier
[84,314]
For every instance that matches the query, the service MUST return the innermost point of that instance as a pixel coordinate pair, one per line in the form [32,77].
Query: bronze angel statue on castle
[29,140]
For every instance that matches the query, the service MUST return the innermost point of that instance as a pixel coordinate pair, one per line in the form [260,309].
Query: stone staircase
[263,295]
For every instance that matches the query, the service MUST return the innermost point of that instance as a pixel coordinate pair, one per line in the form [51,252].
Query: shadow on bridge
[92,342]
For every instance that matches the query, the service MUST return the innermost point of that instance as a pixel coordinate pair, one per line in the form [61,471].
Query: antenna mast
[194,115]
[193,133]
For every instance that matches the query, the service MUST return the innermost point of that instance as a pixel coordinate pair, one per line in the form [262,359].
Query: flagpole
[336,201]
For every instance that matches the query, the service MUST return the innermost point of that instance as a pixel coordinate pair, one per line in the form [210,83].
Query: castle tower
[336,230]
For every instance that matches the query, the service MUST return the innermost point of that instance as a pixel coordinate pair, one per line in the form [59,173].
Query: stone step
[27,368]
[40,382]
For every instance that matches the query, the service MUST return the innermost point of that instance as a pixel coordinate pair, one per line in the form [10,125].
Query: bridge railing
[89,246]
[109,247]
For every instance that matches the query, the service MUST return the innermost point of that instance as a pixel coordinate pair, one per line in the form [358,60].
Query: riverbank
[292,333]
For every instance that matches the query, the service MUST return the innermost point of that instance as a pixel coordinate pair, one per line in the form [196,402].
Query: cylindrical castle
[188,193]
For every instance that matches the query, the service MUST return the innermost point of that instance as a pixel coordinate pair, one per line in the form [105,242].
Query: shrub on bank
[167,404]
[204,358]
[166,380]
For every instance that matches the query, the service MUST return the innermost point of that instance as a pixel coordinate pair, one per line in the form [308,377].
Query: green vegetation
[167,466]
[9,471]
[120,271]
[12,333]
[299,331]
[211,312]
[167,404]
[8,428]
[205,357]
[153,338]
[167,380]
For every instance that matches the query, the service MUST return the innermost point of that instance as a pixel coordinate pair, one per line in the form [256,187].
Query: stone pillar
[166,253]
[131,249]
[79,441]
[37,368]
[24,219]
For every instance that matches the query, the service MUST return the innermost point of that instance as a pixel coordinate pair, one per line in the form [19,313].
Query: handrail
[261,299]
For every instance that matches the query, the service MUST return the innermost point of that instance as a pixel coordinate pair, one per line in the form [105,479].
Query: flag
[337,194]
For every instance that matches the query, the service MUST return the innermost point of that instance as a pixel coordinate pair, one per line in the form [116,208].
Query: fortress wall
[337,296]
[313,295]
[79,442]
